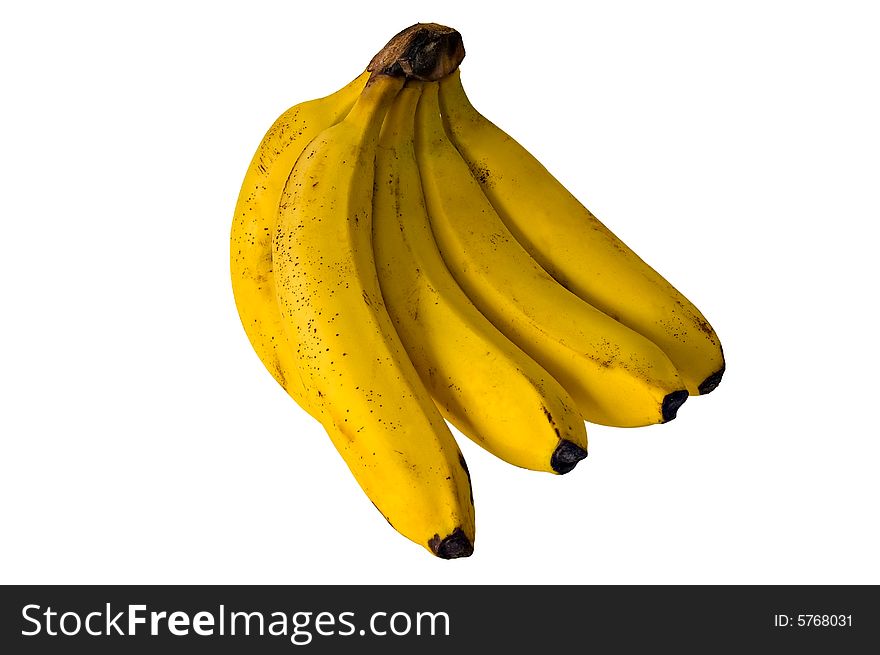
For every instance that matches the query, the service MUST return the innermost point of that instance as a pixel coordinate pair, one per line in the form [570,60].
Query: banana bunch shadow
[398,261]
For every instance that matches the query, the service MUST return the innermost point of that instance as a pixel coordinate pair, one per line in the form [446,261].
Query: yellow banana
[359,379]
[253,284]
[576,248]
[483,384]
[616,376]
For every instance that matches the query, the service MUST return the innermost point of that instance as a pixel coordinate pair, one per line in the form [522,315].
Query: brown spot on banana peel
[482,174]
[468,474]
[278,371]
[551,421]
[693,315]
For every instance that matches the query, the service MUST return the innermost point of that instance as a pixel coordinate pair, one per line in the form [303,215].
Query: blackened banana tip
[452,546]
[708,385]
[671,403]
[566,456]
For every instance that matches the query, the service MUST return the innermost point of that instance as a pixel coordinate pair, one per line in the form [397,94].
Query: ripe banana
[576,248]
[387,280]
[482,383]
[359,380]
[253,283]
[616,376]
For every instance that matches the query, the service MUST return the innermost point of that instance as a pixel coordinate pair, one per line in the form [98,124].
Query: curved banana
[481,382]
[576,248]
[359,379]
[616,376]
[253,284]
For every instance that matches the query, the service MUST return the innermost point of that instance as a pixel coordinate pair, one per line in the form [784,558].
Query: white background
[735,148]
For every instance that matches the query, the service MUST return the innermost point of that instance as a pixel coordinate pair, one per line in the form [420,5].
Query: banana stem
[424,51]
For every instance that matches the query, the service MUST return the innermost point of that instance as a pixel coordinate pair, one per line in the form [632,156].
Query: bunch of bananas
[398,260]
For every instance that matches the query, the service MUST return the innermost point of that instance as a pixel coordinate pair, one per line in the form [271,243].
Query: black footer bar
[428,619]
